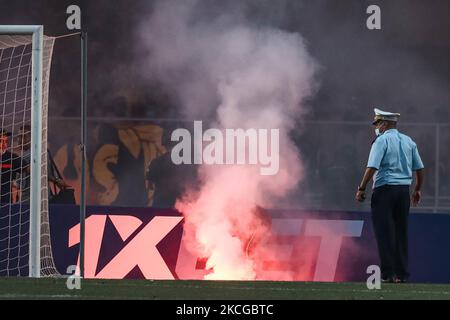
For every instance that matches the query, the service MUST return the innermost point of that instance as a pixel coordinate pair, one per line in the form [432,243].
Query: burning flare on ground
[257,78]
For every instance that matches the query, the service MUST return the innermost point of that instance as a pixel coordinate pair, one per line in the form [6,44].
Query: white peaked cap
[384,115]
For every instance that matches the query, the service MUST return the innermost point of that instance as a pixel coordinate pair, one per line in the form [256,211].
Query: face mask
[377,132]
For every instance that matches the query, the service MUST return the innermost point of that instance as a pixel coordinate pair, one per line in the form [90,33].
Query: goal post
[20,84]
[36,152]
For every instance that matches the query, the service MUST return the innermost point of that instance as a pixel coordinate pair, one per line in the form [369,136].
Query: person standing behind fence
[392,160]
[23,149]
[168,180]
[10,166]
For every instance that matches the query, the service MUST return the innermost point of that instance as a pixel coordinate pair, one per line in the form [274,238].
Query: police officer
[392,160]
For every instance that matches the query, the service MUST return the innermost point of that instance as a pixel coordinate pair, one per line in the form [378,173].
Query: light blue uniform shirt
[395,156]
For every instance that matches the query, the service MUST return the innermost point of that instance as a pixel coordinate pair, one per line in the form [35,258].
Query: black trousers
[390,209]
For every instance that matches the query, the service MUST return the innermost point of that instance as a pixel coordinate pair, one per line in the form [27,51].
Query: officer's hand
[415,198]
[360,196]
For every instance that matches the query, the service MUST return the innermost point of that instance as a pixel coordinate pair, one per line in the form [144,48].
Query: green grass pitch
[25,288]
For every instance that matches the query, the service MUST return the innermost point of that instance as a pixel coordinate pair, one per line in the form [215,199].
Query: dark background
[404,67]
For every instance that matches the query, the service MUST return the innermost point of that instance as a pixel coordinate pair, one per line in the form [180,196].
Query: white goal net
[19,79]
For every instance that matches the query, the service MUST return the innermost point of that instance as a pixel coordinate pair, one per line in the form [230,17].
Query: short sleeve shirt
[395,156]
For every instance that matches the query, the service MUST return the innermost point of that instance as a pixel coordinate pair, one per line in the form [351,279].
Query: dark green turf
[24,288]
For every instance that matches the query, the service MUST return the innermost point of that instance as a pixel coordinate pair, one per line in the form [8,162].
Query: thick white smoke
[243,76]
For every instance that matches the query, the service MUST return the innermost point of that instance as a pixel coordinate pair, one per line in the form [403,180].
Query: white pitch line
[39,296]
[152,284]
